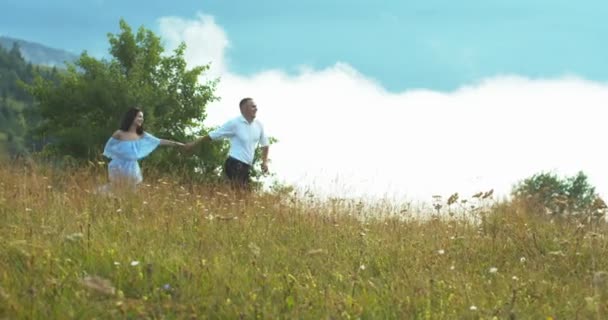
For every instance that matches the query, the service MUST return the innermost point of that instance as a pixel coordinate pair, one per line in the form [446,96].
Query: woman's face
[139,119]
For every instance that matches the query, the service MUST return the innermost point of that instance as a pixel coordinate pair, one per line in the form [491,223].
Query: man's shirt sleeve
[225,131]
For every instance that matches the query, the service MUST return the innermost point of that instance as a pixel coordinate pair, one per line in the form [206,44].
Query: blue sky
[434,44]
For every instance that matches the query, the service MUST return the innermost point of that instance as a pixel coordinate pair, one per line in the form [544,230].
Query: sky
[401,99]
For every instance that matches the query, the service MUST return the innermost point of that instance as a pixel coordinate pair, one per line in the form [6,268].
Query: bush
[550,194]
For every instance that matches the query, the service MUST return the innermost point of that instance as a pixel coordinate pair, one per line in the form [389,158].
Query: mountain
[37,53]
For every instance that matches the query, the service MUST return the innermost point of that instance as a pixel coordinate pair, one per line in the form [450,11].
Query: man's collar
[243,119]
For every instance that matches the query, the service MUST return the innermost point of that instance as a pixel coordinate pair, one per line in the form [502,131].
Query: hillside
[37,53]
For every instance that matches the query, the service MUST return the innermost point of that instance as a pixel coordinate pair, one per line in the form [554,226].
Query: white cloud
[342,132]
[206,41]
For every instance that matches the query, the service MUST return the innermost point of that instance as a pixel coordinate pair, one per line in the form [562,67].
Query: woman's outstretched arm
[170,143]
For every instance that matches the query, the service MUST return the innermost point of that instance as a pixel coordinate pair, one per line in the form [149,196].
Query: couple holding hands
[131,143]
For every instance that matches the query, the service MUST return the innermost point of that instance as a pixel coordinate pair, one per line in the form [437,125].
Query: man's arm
[265,159]
[205,138]
[225,131]
[265,143]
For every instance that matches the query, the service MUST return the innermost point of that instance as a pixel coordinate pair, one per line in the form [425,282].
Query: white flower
[134,263]
[522,259]
[452,268]
[441,251]
[493,270]
[362,267]
[473,308]
[515,278]
[116,263]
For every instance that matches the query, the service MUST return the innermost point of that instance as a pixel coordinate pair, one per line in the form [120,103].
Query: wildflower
[473,308]
[453,198]
[362,267]
[134,263]
[522,259]
[116,263]
[441,251]
[119,210]
[452,267]
[515,278]
[493,270]
[28,210]
[488,194]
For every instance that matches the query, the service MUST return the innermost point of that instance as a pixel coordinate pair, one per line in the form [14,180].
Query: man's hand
[188,147]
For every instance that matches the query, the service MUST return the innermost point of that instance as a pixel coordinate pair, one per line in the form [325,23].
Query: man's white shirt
[244,137]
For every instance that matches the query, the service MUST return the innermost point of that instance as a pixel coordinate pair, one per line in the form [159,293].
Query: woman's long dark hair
[127,121]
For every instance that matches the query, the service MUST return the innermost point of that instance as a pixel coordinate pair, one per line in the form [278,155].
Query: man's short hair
[243,101]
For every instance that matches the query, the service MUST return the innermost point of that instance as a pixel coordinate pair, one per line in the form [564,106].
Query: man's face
[249,109]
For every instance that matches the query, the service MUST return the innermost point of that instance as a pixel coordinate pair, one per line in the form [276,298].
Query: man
[245,133]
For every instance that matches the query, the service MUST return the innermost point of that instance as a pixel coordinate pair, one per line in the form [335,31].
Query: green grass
[174,252]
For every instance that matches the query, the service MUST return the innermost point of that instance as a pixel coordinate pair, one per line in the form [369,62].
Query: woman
[129,144]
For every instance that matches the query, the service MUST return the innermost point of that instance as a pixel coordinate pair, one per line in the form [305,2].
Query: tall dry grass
[171,251]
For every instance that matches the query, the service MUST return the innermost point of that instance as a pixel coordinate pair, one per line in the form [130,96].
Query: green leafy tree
[14,100]
[80,109]
[556,195]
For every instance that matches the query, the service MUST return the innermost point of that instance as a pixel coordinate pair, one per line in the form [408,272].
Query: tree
[15,51]
[15,100]
[563,196]
[81,109]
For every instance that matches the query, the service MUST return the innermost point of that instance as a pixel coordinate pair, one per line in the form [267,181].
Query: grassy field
[173,251]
